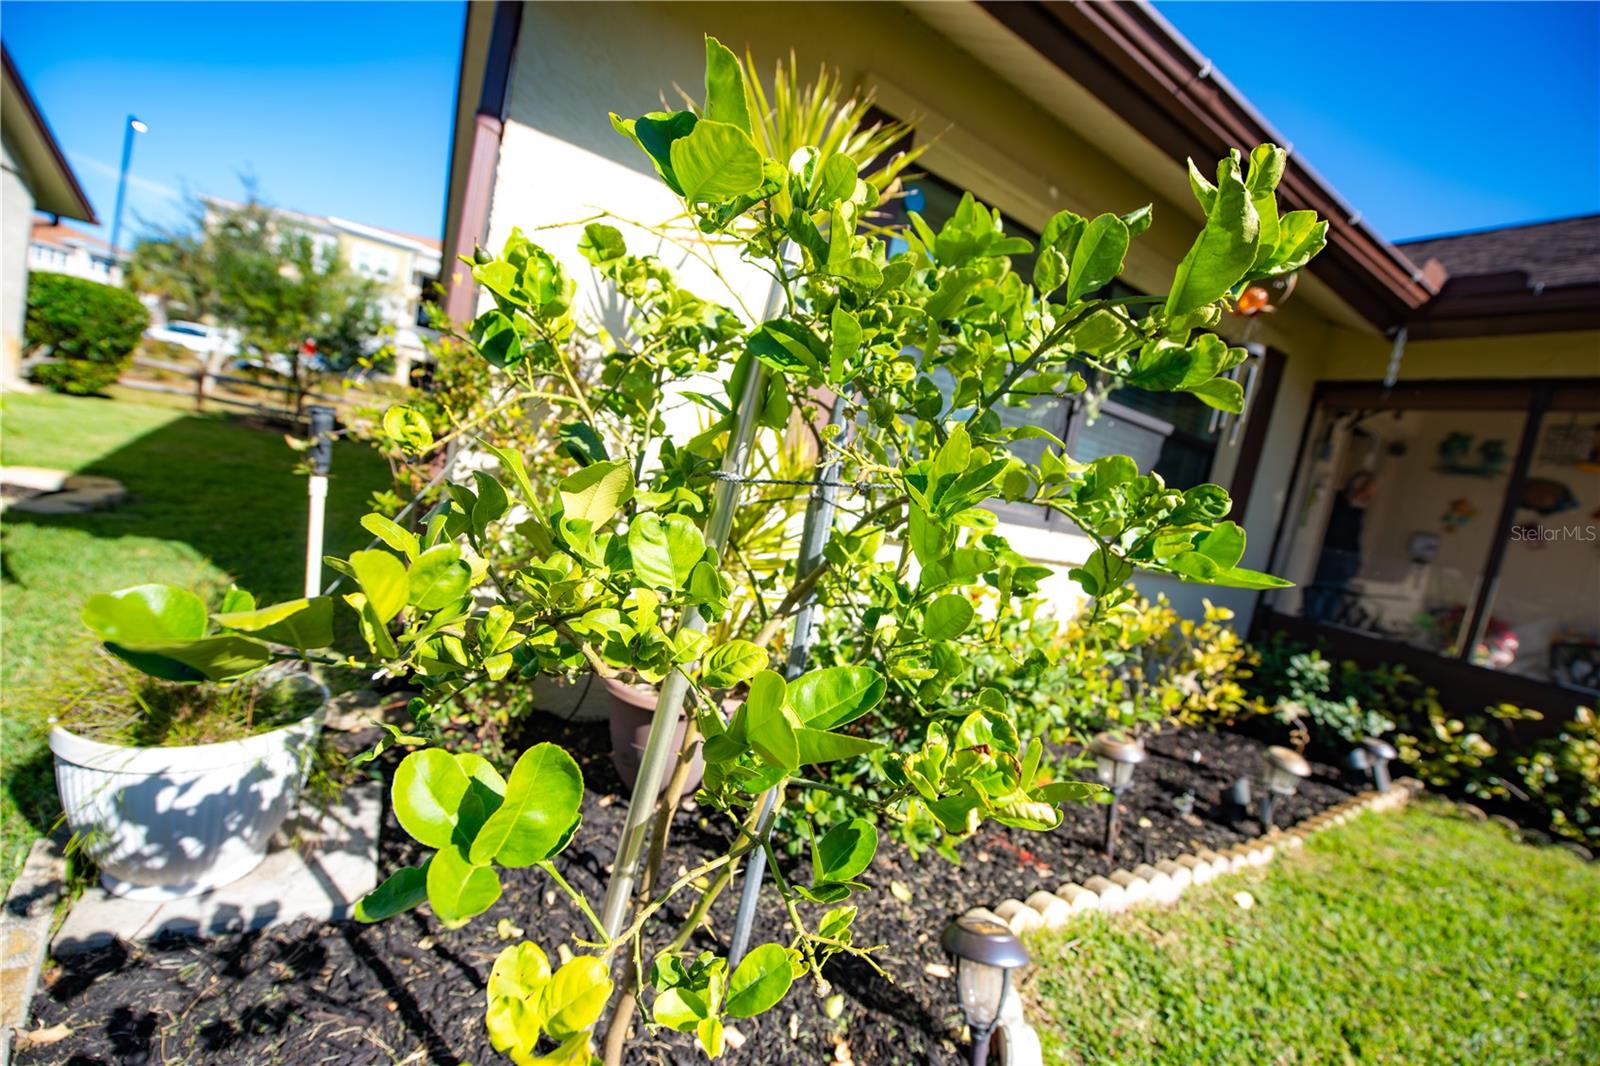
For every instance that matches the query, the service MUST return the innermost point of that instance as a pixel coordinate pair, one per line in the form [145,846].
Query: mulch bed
[409,990]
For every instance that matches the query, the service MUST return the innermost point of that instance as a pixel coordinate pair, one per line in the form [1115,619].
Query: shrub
[1333,705]
[1562,775]
[83,331]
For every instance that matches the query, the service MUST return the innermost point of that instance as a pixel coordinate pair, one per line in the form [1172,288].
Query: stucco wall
[561,161]
[16,224]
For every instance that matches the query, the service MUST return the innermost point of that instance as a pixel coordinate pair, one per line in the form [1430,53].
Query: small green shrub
[1561,774]
[84,331]
[1335,705]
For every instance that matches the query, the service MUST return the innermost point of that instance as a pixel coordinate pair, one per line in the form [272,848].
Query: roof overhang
[49,176]
[1151,80]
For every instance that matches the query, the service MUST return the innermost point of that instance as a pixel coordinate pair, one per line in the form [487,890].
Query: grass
[1416,938]
[212,501]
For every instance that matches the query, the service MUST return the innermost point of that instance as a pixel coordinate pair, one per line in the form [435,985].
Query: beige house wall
[560,161]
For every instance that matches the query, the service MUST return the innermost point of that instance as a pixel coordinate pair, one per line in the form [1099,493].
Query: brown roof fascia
[1136,62]
[83,210]
[1476,310]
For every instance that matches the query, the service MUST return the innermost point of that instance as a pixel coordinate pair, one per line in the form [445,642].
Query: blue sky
[336,109]
[1428,117]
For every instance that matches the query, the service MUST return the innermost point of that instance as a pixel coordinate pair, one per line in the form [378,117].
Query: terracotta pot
[583,699]
[633,709]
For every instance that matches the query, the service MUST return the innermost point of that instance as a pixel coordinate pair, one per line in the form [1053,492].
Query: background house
[60,249]
[1382,362]
[36,178]
[404,267]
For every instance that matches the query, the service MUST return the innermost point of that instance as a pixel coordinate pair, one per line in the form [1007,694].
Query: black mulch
[409,990]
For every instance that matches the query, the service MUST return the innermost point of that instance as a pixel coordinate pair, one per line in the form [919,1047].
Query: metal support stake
[1266,809]
[1111,823]
[658,748]
[321,458]
[813,539]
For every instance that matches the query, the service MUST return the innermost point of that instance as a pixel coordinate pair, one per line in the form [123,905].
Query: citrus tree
[915,339]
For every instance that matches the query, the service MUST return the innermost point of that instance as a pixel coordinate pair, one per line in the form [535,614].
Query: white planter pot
[165,823]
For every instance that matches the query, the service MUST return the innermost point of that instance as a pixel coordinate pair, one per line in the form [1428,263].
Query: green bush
[1333,704]
[84,331]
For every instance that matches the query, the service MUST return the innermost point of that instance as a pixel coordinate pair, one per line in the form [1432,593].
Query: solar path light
[1115,757]
[320,459]
[1286,768]
[985,952]
[1379,754]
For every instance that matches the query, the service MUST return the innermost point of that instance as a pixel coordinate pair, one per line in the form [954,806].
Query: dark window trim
[1257,416]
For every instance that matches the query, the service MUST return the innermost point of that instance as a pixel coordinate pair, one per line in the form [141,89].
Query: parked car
[195,336]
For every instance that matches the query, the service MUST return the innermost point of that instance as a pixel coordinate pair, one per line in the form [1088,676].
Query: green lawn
[1415,938]
[212,501]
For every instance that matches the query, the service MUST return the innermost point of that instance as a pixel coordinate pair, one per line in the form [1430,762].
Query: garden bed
[348,993]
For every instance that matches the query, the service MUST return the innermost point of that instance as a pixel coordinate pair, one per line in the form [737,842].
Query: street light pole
[134,126]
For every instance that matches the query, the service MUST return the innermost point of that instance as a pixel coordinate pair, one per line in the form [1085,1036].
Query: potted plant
[174,782]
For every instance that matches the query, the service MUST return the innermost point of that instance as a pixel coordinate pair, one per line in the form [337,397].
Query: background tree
[255,274]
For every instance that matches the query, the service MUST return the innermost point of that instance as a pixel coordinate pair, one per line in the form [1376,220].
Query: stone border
[29,910]
[1159,885]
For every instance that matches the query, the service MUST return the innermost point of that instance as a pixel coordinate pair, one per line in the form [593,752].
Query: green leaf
[408,428]
[382,578]
[846,344]
[767,728]
[496,334]
[665,550]
[656,133]
[715,162]
[1224,545]
[491,503]
[679,1009]
[521,971]
[595,493]
[1240,578]
[1223,251]
[219,658]
[731,663]
[237,599]
[391,533]
[299,623]
[1225,394]
[1102,573]
[1300,236]
[576,996]
[827,699]
[426,794]
[844,851]
[1049,271]
[540,809]
[438,578]
[402,890]
[582,443]
[1138,220]
[759,982]
[145,613]
[601,243]
[459,891]
[725,91]
[710,1032]
[787,347]
[1098,258]
[947,617]
[819,746]
[512,464]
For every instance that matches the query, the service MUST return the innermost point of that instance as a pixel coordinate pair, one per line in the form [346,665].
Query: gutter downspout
[483,161]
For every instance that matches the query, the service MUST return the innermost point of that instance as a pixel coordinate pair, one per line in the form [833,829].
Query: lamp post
[1285,770]
[1115,757]
[135,125]
[985,952]
[1379,754]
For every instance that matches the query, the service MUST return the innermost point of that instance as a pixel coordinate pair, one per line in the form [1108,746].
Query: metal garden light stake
[1115,756]
[1285,769]
[1379,753]
[321,459]
[985,952]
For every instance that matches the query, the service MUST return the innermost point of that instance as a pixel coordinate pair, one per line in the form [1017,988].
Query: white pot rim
[91,754]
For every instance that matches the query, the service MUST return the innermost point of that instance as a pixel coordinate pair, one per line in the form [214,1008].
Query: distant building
[60,249]
[36,177]
[405,267]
